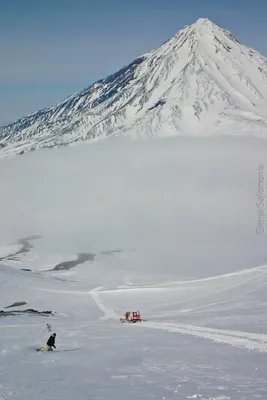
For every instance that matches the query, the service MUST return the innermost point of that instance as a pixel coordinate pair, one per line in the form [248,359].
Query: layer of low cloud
[184,203]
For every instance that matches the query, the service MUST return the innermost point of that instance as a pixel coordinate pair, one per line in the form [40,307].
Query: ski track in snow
[251,341]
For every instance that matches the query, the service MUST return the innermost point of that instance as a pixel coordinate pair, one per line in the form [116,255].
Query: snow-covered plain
[166,227]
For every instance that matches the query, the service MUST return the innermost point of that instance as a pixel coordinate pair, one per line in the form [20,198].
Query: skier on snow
[51,342]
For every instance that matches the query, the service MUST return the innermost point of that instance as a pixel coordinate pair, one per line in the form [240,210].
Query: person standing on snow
[51,342]
[127,315]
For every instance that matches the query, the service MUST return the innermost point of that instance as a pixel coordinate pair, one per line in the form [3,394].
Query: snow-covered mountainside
[202,81]
[165,227]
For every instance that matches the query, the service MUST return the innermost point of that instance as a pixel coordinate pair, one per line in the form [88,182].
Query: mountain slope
[202,81]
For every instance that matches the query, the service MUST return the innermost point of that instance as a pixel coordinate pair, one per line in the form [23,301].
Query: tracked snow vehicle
[132,317]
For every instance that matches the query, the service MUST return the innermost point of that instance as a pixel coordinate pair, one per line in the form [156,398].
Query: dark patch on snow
[161,102]
[26,247]
[82,258]
[17,304]
[29,311]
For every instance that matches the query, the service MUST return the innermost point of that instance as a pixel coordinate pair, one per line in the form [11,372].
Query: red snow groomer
[131,316]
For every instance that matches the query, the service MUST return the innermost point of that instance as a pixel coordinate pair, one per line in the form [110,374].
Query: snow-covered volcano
[202,81]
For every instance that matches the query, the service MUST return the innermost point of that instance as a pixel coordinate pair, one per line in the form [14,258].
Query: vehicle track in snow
[109,312]
[251,341]
[208,306]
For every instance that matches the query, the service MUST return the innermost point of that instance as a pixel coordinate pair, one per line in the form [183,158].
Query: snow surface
[170,228]
[201,82]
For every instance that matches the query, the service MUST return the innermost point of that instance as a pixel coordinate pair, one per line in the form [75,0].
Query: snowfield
[166,227]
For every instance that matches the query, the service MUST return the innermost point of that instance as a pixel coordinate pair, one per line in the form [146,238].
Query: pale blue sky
[53,48]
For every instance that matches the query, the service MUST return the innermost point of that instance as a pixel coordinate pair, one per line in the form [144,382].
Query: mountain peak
[202,81]
[204,25]
[199,24]
[203,31]
[203,21]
